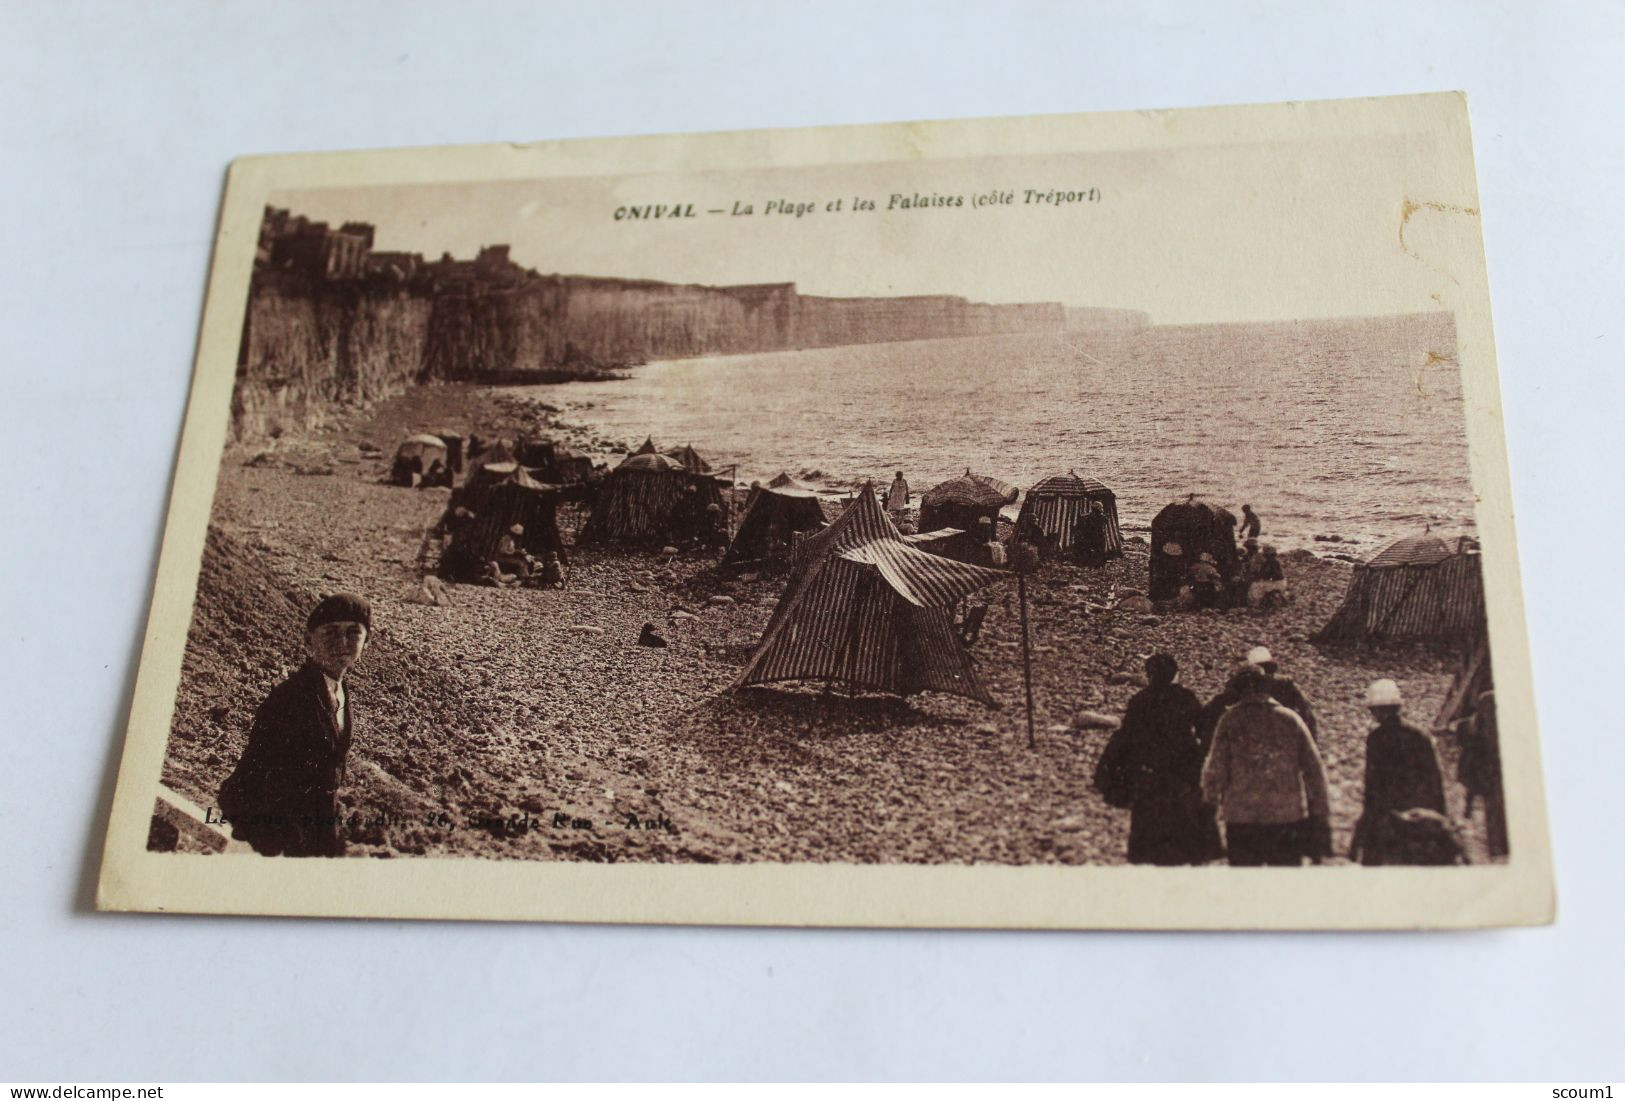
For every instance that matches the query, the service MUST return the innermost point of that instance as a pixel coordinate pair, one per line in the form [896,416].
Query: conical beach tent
[774,513]
[645,500]
[1053,506]
[872,611]
[501,495]
[961,502]
[1420,586]
[689,458]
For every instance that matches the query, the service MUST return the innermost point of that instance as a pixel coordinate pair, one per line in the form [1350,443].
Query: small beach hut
[416,455]
[1179,534]
[961,502]
[1420,586]
[774,514]
[501,495]
[871,611]
[645,499]
[1053,506]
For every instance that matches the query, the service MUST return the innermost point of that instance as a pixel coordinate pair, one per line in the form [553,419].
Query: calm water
[1351,427]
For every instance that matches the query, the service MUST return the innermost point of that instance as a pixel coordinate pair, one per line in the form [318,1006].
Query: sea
[1345,431]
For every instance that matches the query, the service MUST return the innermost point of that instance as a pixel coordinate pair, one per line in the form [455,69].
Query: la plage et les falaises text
[895,202]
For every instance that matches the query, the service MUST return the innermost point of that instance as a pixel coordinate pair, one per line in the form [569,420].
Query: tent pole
[733,480]
[1026,658]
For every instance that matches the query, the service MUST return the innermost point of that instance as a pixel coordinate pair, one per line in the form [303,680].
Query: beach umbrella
[960,502]
[651,463]
[974,490]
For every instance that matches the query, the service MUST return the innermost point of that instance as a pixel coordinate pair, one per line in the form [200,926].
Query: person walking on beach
[1401,775]
[1283,689]
[1089,536]
[282,798]
[1212,711]
[1251,528]
[897,497]
[1153,766]
[1266,778]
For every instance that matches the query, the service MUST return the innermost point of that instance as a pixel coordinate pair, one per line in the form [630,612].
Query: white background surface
[116,123]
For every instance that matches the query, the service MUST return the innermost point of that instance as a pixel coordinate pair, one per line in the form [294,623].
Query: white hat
[1258,655]
[1383,693]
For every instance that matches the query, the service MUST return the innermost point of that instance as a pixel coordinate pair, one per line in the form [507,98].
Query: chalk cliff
[330,322]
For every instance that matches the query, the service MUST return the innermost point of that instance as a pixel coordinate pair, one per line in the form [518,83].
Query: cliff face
[310,344]
[306,350]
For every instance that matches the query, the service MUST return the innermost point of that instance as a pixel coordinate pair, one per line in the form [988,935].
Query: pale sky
[1217,233]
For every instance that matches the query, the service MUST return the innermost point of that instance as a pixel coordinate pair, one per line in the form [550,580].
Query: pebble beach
[528,724]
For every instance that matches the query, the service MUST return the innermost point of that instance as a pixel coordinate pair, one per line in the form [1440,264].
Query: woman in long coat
[1153,766]
[1401,774]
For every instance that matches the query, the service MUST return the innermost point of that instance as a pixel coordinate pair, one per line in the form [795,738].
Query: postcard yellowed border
[1332,897]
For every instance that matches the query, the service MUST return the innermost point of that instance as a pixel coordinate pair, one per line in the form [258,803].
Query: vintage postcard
[1068,522]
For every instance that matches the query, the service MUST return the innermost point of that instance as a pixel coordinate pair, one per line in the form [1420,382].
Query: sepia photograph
[1070,495]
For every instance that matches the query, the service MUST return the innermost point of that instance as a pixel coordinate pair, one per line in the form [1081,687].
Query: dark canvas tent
[774,513]
[1053,506]
[416,455]
[1420,586]
[869,610]
[961,502]
[643,500]
[501,495]
[1181,532]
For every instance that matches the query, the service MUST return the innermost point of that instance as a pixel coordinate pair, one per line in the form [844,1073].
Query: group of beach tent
[871,607]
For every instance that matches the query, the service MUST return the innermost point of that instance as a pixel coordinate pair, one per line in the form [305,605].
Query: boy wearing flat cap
[283,796]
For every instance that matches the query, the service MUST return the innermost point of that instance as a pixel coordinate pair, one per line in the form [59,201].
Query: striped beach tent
[644,500]
[500,495]
[960,502]
[870,610]
[1421,586]
[774,513]
[1053,506]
